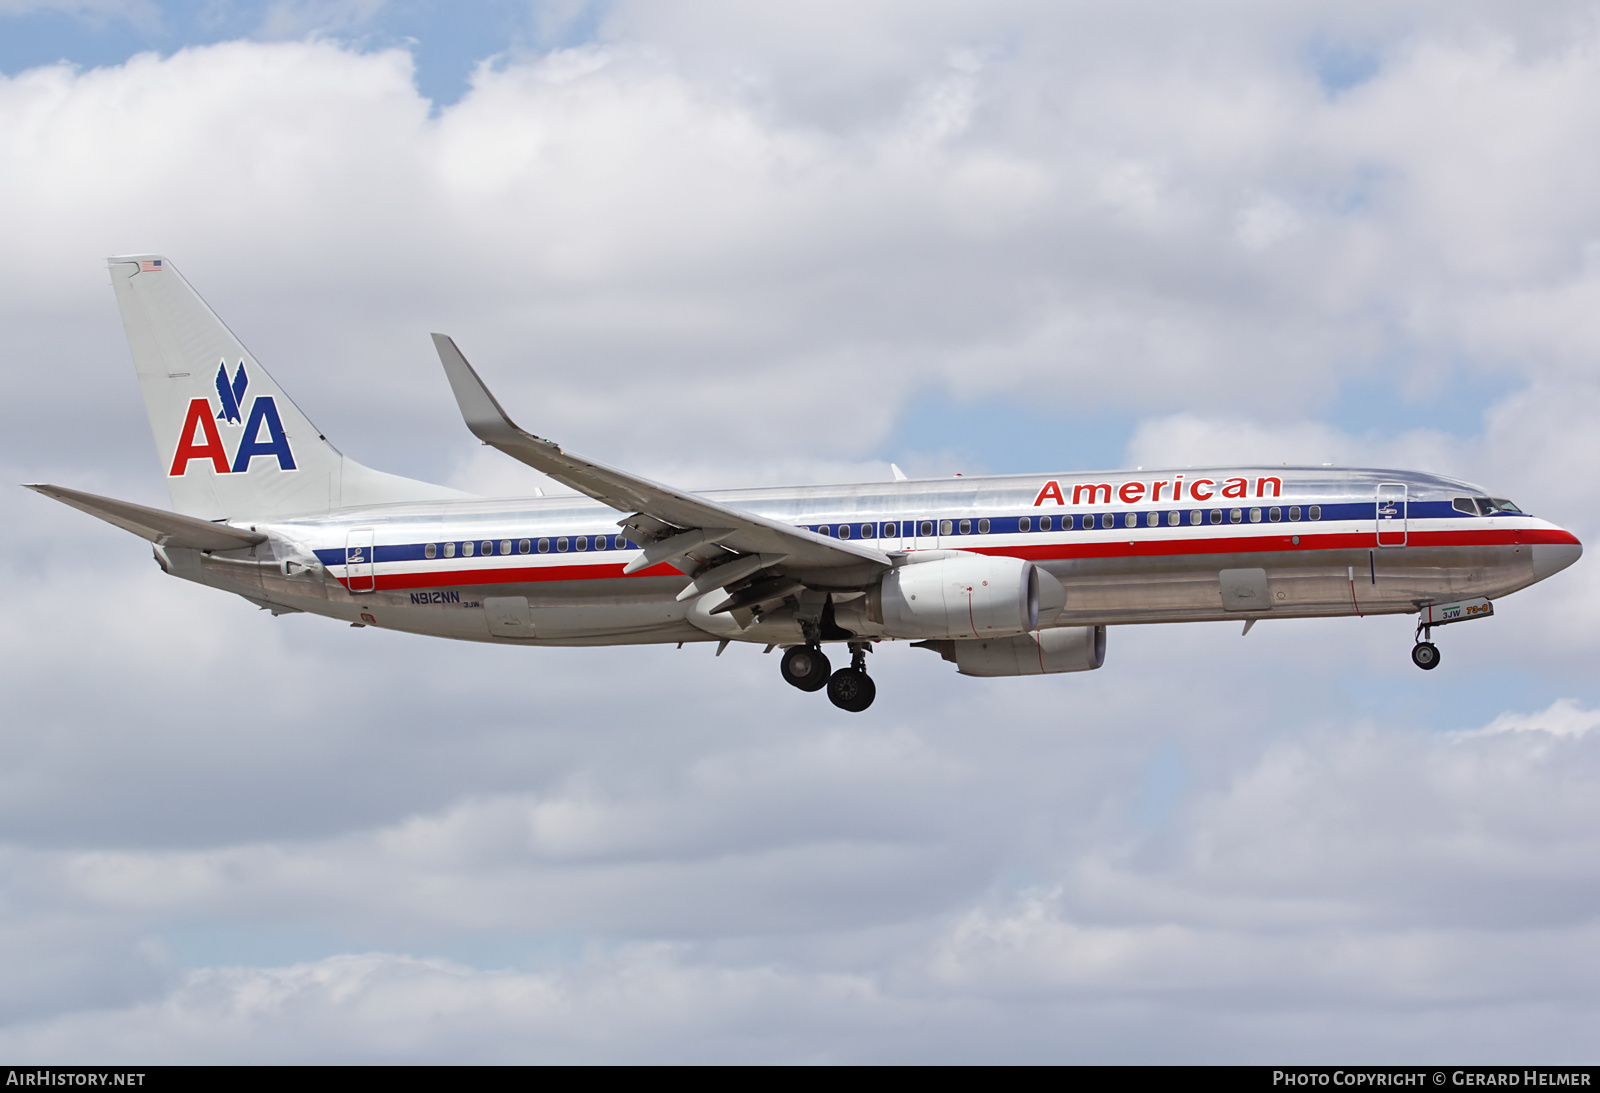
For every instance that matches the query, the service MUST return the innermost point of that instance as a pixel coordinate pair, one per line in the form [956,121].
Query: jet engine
[959,596]
[1043,652]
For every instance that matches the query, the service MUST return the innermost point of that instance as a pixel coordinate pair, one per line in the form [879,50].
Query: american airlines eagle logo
[232,394]
[199,438]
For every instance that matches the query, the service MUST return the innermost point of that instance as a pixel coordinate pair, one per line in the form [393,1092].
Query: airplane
[1008,575]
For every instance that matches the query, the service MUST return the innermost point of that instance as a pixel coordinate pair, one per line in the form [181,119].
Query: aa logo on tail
[200,439]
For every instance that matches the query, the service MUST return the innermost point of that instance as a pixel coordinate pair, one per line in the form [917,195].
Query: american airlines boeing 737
[1003,576]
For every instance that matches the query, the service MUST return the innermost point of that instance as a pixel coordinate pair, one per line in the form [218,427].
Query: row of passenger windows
[524,546]
[908,528]
[1171,517]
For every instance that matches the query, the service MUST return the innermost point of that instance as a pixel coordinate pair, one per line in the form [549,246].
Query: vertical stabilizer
[230,442]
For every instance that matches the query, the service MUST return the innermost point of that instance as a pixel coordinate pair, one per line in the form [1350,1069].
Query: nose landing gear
[1425,655]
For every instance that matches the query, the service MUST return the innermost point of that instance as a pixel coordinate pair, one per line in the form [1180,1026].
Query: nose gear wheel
[1425,655]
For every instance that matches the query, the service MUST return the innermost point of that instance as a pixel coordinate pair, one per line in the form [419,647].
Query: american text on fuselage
[1004,576]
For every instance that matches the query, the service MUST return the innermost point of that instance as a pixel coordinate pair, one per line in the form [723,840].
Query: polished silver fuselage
[1359,542]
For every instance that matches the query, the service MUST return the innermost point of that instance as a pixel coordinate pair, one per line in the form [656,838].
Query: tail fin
[231,442]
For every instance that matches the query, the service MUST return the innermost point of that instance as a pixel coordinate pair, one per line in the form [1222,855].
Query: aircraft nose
[1552,558]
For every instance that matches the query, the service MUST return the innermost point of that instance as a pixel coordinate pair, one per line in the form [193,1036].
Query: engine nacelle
[1043,652]
[959,596]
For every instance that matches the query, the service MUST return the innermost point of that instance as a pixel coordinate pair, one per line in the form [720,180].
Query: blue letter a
[263,410]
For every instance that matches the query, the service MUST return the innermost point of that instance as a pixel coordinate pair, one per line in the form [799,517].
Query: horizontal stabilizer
[157,525]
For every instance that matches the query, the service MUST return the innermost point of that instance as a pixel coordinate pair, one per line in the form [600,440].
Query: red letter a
[199,418]
[1051,489]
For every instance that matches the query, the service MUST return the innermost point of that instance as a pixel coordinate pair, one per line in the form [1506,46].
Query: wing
[157,525]
[663,519]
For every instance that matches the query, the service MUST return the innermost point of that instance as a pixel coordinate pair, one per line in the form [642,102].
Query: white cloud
[1564,718]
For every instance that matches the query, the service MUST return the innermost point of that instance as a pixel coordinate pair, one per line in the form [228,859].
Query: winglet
[482,411]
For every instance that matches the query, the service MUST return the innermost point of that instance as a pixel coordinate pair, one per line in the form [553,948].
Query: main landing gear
[805,667]
[851,689]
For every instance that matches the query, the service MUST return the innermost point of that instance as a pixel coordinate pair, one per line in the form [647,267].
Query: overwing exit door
[1391,508]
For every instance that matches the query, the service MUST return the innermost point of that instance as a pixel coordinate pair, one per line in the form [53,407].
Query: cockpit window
[1488,506]
[1464,504]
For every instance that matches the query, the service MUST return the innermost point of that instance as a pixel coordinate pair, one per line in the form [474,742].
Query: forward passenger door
[1391,514]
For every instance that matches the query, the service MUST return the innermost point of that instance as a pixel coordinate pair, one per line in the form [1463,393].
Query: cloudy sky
[727,243]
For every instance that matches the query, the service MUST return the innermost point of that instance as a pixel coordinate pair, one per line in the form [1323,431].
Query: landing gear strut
[1425,654]
[805,667]
[851,689]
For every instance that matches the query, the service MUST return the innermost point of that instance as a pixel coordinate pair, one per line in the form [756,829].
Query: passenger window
[1044,523]
[1255,516]
[1024,524]
[1131,520]
[449,550]
[1216,516]
[1314,512]
[866,531]
[844,531]
[581,542]
[544,546]
[983,526]
[1173,517]
[505,546]
[824,530]
[524,546]
[1294,512]
[430,551]
[927,527]
[466,550]
[561,545]
[599,542]
[1275,515]
[488,548]
[1194,516]
[1107,520]
[1152,519]
[966,527]
[946,527]
[1234,515]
